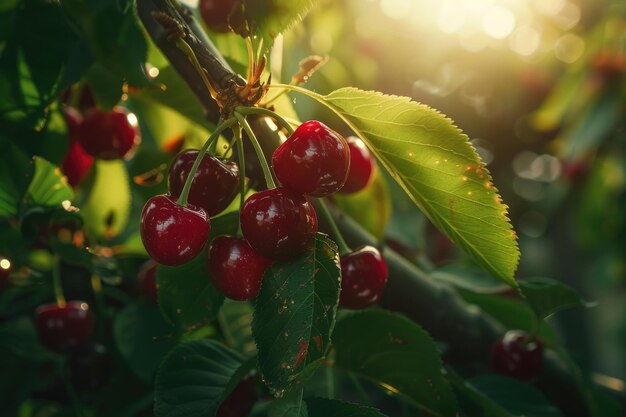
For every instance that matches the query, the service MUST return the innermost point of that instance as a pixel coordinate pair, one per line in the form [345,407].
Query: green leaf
[323,407]
[397,354]
[436,165]
[517,397]
[269,18]
[236,320]
[193,377]
[291,405]
[295,314]
[48,187]
[143,338]
[547,296]
[376,198]
[186,295]
[468,277]
[16,172]
[107,208]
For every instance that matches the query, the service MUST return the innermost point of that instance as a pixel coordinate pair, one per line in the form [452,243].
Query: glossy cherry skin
[314,160]
[108,134]
[147,281]
[236,269]
[517,355]
[361,166]
[363,278]
[214,186]
[173,234]
[64,328]
[215,13]
[278,223]
[77,161]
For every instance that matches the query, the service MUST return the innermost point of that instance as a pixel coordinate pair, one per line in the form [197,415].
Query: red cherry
[240,401]
[517,355]
[62,328]
[147,281]
[236,269]
[214,186]
[361,166]
[314,160]
[173,234]
[77,161]
[108,134]
[215,13]
[5,271]
[363,277]
[278,223]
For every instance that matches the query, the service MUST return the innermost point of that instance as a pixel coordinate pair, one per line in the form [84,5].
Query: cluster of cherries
[277,224]
[96,134]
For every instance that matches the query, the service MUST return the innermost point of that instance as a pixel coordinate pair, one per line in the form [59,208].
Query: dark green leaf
[269,18]
[438,168]
[517,397]
[186,295]
[294,315]
[192,379]
[469,277]
[143,338]
[323,407]
[396,353]
[291,405]
[547,296]
[16,172]
[19,337]
[236,320]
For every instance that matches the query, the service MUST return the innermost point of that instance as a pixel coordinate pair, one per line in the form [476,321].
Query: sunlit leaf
[294,315]
[436,165]
[397,354]
[48,187]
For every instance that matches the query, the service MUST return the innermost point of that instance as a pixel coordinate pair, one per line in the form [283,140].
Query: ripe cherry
[62,328]
[240,401]
[278,223]
[77,161]
[215,13]
[517,355]
[314,160]
[361,166]
[363,277]
[108,134]
[214,185]
[147,281]
[236,269]
[173,234]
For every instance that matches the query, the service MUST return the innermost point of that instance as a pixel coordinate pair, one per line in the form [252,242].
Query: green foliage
[438,168]
[334,408]
[547,296]
[294,315]
[193,378]
[390,350]
[290,405]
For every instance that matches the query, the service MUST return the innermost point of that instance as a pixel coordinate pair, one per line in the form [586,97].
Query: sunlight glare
[525,40]
[498,22]
[396,9]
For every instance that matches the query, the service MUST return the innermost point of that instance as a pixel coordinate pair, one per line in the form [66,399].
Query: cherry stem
[341,243]
[182,200]
[267,112]
[269,180]
[242,163]
[56,282]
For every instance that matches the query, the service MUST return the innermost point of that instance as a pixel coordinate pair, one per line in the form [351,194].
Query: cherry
[363,277]
[147,281]
[77,161]
[278,223]
[173,234]
[236,269]
[517,355]
[62,328]
[108,134]
[215,13]
[214,185]
[314,160]
[5,271]
[240,401]
[575,171]
[361,166]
